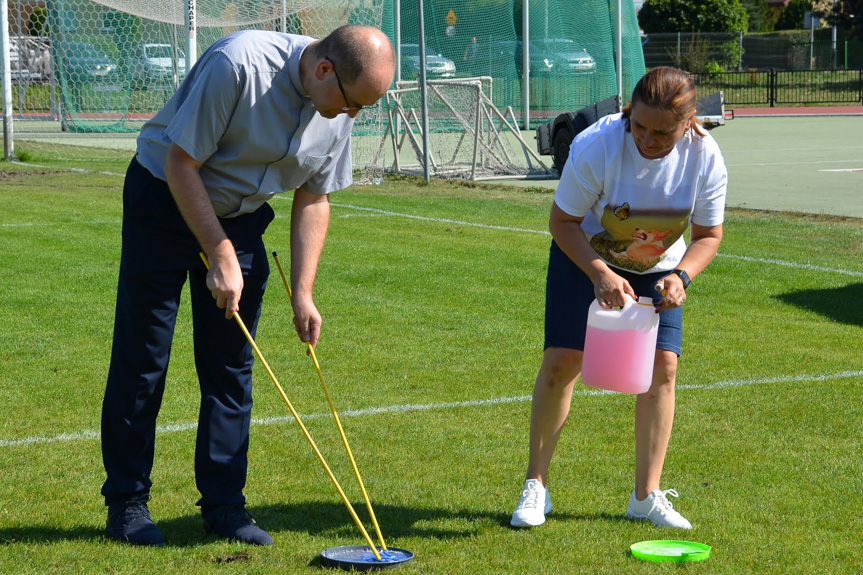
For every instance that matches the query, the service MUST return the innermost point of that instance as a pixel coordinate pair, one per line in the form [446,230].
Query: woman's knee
[665,368]
[560,366]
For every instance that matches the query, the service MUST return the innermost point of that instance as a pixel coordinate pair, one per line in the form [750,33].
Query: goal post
[468,136]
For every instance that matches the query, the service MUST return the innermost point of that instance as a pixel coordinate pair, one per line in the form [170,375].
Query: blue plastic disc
[361,557]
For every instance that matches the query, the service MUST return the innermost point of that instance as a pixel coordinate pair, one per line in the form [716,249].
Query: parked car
[437,66]
[83,63]
[547,56]
[153,64]
[562,55]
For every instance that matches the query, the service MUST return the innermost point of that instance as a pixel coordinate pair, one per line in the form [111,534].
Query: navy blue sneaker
[234,522]
[130,522]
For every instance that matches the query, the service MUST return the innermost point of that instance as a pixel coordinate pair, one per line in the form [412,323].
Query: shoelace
[662,502]
[137,510]
[133,512]
[529,498]
[236,516]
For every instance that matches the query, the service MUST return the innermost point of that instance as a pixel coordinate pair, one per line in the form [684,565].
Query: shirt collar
[294,71]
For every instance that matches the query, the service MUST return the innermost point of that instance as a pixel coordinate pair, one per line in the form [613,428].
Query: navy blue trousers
[159,253]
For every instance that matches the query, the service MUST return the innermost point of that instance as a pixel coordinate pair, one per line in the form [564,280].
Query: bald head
[360,51]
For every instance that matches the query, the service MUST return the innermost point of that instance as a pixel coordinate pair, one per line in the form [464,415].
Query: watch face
[684,277]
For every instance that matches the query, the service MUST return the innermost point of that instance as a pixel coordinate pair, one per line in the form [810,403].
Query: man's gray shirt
[243,113]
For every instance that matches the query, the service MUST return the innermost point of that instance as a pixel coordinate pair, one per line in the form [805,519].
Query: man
[259,114]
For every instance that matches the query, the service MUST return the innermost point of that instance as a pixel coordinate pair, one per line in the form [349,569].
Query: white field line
[68,169]
[810,267]
[90,223]
[440,220]
[82,435]
[545,232]
[376,211]
[415,407]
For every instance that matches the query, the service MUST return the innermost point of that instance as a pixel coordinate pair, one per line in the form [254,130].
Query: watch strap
[684,277]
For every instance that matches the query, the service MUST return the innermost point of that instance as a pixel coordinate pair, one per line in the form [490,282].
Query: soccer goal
[467,136]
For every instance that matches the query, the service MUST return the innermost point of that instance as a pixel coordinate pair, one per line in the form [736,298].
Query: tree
[687,16]
[792,16]
[845,14]
[856,18]
[762,16]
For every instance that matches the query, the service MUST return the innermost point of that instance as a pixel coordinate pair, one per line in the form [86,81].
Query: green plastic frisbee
[665,550]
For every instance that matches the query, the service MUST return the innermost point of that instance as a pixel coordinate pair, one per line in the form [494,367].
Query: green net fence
[571,49]
[118,61]
[88,73]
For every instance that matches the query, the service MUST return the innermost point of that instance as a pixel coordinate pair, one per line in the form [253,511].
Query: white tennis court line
[814,162]
[414,407]
[802,149]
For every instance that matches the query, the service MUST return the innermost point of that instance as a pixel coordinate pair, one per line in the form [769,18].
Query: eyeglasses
[347,107]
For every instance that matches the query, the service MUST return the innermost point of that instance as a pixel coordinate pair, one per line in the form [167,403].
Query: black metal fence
[784,87]
[738,51]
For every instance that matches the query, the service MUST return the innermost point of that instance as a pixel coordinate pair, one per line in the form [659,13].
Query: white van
[152,64]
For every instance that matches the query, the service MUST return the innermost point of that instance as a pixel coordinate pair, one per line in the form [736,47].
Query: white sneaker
[534,503]
[657,509]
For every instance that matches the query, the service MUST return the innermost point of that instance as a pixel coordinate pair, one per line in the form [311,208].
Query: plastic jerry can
[620,345]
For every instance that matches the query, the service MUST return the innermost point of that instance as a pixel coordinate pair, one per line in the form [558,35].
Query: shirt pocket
[289,173]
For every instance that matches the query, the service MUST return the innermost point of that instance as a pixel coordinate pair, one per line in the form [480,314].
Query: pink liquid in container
[620,345]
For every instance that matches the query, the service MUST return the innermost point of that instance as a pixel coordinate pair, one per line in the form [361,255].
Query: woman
[633,183]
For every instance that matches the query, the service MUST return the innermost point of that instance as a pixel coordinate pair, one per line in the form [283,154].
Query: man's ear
[322,69]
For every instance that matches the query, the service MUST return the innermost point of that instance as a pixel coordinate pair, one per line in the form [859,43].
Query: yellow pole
[335,415]
[302,426]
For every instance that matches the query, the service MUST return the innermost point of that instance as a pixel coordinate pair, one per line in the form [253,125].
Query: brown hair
[668,89]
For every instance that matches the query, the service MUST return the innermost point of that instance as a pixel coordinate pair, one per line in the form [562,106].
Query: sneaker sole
[525,524]
[514,523]
[634,517]
[124,539]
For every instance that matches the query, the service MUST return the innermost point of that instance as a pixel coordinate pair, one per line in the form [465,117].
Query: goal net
[467,136]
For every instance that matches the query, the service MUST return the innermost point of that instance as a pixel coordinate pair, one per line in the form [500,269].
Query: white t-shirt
[636,210]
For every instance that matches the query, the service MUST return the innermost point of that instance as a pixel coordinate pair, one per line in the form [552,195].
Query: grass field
[432,296]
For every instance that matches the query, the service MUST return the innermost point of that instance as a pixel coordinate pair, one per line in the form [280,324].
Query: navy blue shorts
[569,293]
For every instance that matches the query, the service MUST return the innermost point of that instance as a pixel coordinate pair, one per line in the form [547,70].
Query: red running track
[798,111]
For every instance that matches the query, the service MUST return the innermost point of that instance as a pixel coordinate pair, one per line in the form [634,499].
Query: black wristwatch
[684,277]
